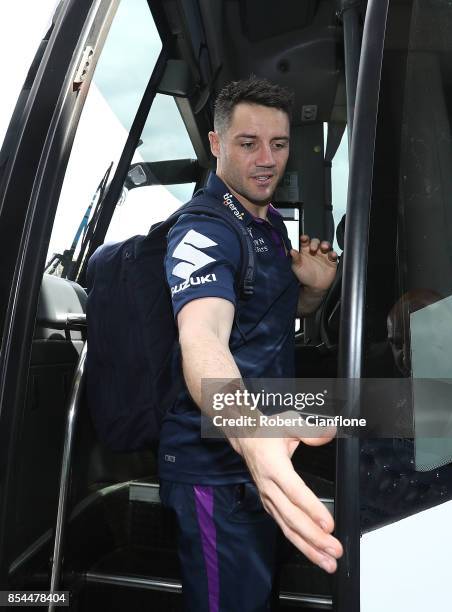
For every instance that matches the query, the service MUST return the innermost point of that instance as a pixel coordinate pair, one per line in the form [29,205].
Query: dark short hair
[252,91]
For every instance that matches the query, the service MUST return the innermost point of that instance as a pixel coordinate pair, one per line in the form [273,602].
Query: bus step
[299,600]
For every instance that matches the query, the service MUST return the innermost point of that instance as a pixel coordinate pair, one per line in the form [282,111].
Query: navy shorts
[228,547]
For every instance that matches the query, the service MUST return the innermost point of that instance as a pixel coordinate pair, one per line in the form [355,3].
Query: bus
[108,136]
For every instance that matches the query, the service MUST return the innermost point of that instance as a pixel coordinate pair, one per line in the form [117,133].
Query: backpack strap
[212,208]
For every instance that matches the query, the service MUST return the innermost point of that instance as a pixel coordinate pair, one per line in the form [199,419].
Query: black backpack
[132,335]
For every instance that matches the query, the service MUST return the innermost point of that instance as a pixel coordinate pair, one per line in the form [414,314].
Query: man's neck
[256,210]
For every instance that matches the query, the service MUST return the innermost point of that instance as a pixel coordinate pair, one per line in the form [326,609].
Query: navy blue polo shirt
[203,260]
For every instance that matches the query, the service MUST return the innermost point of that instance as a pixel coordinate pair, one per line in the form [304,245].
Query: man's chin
[260,199]
[253,196]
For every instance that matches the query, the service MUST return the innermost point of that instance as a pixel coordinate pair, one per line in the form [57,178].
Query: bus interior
[108,152]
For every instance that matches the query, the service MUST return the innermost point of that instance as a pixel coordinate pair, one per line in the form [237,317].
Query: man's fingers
[332,255]
[314,245]
[301,496]
[293,490]
[323,560]
[303,518]
[318,545]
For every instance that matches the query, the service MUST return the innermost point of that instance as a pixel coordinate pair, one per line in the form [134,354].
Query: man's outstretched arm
[204,329]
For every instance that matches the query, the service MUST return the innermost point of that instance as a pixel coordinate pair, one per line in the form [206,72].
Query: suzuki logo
[192,282]
[192,258]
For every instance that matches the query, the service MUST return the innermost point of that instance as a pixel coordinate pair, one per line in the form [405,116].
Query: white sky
[18,45]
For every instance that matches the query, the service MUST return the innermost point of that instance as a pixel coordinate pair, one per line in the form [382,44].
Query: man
[227,537]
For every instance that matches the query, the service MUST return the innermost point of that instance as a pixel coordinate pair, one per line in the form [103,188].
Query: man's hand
[314,265]
[302,517]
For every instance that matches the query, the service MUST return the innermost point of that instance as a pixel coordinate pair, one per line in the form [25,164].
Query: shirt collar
[273,211]
[218,189]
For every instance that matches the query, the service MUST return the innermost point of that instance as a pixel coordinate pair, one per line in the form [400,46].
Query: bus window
[164,138]
[120,79]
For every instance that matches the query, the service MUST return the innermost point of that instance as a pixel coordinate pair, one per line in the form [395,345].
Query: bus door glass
[120,79]
[409,285]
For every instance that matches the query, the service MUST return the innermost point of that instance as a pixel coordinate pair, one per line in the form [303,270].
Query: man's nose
[265,157]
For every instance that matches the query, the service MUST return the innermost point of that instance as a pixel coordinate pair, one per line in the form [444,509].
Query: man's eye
[247,145]
[280,145]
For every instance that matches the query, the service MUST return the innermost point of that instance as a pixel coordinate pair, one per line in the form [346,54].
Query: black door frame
[347,500]
[33,162]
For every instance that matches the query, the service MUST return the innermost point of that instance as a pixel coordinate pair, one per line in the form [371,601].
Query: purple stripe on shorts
[204,510]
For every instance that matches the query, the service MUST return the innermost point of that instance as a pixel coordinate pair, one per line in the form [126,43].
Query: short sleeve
[203,259]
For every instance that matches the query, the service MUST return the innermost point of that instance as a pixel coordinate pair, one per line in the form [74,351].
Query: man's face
[252,153]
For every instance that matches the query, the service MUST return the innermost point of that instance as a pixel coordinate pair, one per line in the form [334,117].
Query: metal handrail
[349,13]
[72,414]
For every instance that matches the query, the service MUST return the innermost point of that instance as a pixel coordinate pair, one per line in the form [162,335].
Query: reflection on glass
[425,228]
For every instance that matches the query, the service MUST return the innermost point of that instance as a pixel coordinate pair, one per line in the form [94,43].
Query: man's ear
[214,140]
